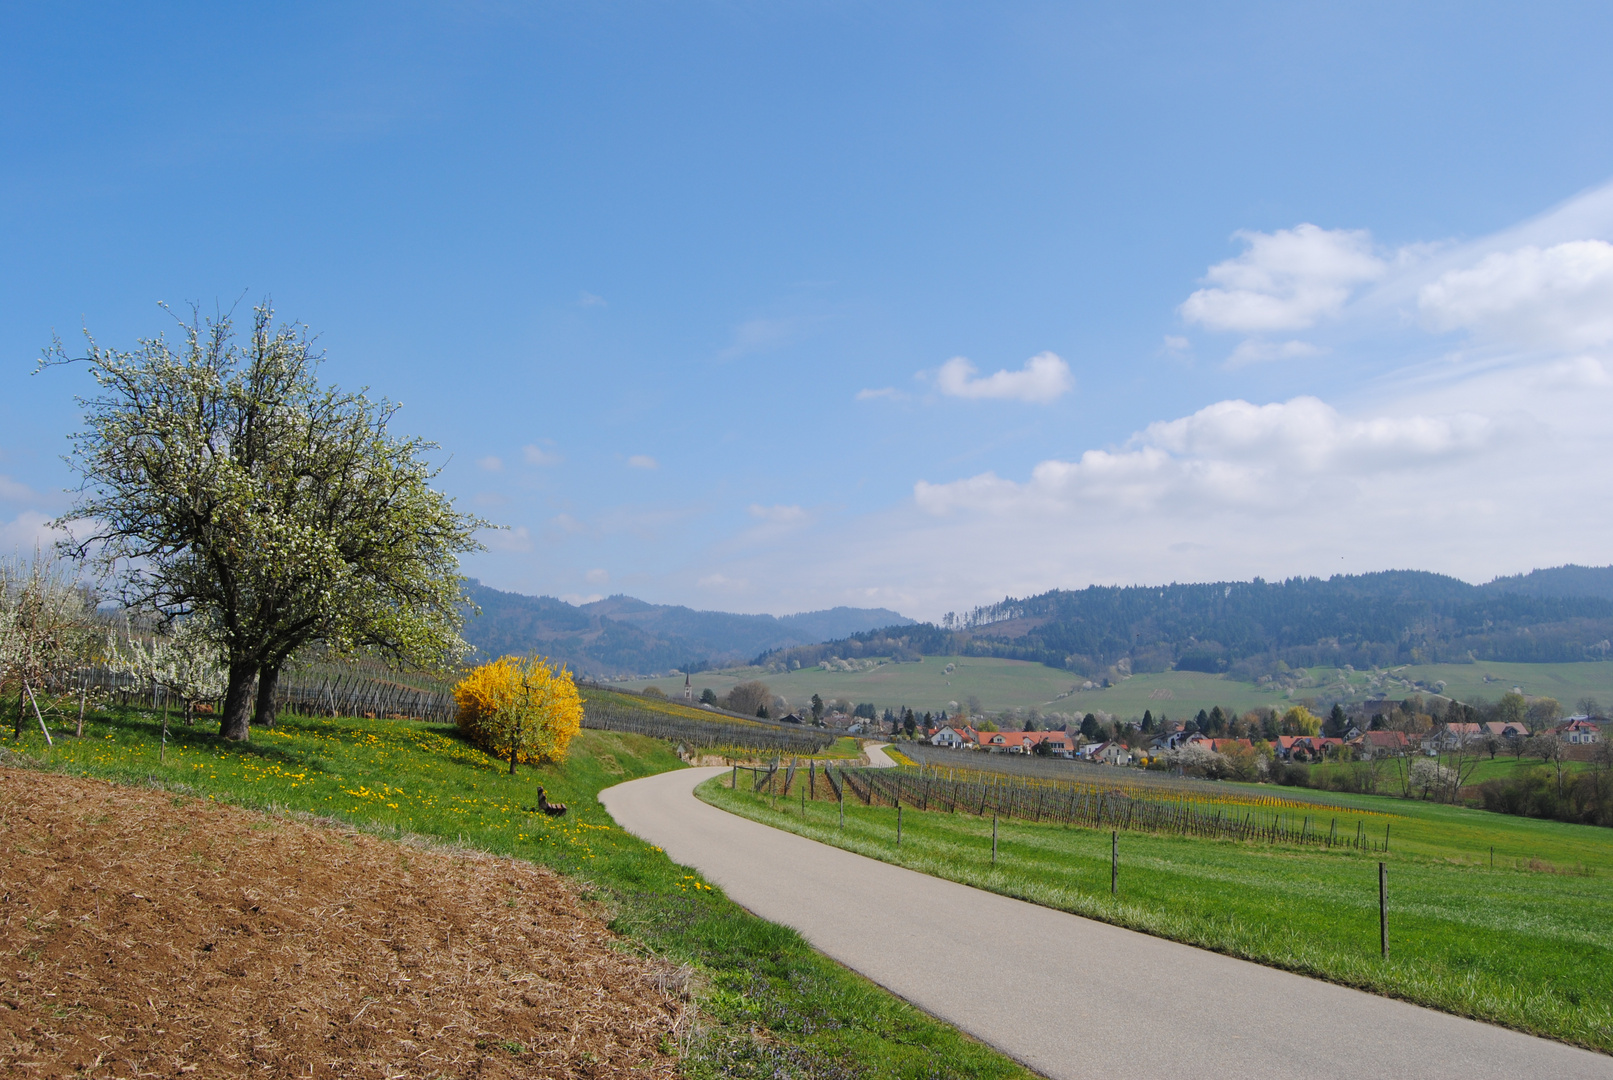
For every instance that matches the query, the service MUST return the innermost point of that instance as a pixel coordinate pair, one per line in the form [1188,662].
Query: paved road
[877,757]
[1067,996]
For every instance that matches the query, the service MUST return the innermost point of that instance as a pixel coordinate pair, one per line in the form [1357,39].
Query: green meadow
[1019,684]
[1525,941]
[769,1004]
[999,684]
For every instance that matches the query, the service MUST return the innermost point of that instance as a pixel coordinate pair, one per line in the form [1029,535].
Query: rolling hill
[1251,627]
[623,635]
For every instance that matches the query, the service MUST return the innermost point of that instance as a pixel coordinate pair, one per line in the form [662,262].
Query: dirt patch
[153,935]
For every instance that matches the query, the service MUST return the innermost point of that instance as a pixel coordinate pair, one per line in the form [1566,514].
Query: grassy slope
[773,1005]
[1007,684]
[1528,948]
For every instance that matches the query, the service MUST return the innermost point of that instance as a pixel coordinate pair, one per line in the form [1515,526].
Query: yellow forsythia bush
[522,702]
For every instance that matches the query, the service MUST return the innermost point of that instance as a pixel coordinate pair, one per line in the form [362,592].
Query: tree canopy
[221,479]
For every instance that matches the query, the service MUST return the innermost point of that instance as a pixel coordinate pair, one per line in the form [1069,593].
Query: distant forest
[1246,628]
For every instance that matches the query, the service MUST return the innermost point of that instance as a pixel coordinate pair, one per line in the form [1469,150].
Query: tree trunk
[268,681]
[237,716]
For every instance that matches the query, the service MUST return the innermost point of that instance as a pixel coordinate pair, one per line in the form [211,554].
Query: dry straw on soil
[147,934]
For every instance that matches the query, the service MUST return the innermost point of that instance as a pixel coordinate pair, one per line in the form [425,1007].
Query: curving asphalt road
[1069,997]
[877,758]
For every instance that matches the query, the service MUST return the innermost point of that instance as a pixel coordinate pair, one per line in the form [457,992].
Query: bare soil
[147,934]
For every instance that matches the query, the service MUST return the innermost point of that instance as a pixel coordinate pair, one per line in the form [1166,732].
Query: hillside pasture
[1005,685]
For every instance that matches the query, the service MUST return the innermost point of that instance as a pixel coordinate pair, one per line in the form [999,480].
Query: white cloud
[1044,377]
[588,299]
[1286,280]
[597,577]
[783,515]
[883,392]
[1228,455]
[643,461]
[1559,297]
[533,454]
[1254,351]
[27,531]
[16,491]
[579,599]
[1175,343]
[490,463]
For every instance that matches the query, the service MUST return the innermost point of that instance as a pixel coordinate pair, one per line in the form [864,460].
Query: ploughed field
[755,1000]
[143,933]
[1526,942]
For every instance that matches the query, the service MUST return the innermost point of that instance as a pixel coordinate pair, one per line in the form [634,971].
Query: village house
[1174,736]
[1107,753]
[954,738]
[1579,730]
[1057,743]
[1306,747]
[1221,746]
[1375,744]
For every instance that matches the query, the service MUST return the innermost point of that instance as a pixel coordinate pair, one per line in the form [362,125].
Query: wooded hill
[1247,627]
[621,635]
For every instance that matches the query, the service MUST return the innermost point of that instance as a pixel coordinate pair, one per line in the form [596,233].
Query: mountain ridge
[622,634]
[1252,627]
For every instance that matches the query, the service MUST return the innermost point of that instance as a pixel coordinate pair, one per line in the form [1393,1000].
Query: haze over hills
[623,635]
[1251,627]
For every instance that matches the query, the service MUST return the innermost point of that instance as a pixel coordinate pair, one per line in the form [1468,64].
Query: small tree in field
[748,697]
[1553,751]
[522,710]
[45,629]
[186,662]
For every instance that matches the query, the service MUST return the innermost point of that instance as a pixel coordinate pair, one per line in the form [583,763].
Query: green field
[770,1004]
[1003,685]
[1527,944]
[999,684]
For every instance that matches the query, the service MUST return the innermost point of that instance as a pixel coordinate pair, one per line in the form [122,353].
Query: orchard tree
[222,480]
[46,629]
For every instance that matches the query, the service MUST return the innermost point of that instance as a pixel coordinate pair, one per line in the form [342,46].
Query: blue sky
[776,307]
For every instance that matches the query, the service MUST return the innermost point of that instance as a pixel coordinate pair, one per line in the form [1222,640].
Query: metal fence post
[994,838]
[1383,910]
[898,824]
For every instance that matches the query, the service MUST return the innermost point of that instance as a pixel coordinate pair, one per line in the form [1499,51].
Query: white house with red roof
[954,738]
[1579,730]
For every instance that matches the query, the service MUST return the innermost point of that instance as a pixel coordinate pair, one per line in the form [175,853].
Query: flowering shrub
[519,703]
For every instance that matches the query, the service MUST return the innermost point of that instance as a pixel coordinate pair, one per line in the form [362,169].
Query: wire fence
[324,695]
[1088,805]
[696,732]
[356,694]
